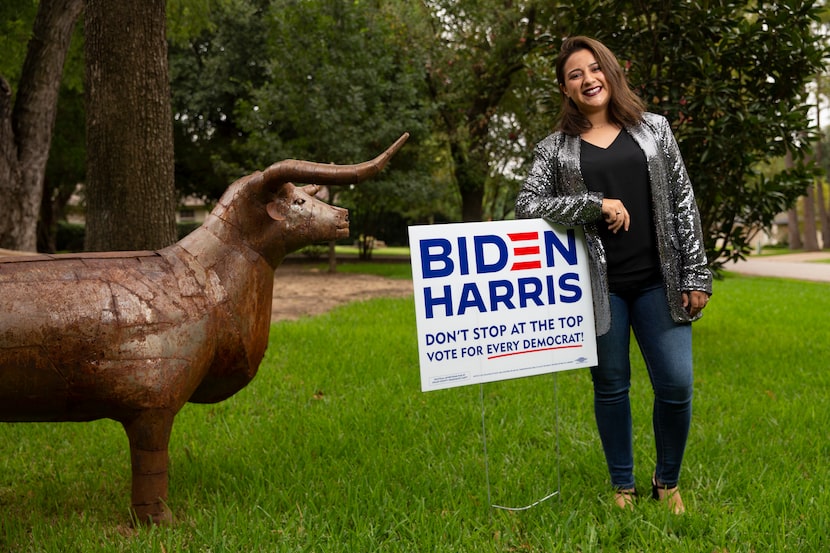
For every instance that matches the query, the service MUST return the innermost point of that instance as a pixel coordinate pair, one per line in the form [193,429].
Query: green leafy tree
[474,53]
[341,86]
[474,83]
[217,58]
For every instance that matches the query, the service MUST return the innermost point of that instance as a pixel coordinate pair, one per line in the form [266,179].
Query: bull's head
[274,217]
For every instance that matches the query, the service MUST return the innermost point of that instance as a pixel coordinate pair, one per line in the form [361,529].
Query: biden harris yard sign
[500,300]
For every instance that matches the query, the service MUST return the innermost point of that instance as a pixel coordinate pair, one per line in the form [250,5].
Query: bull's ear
[277,207]
[275,210]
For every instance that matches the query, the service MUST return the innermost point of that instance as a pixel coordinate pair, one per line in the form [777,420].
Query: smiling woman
[617,170]
[585,86]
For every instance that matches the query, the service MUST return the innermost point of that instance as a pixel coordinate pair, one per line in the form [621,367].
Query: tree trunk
[824,222]
[470,93]
[471,173]
[130,187]
[794,234]
[822,216]
[472,204]
[26,131]
[810,236]
[332,257]
[792,214]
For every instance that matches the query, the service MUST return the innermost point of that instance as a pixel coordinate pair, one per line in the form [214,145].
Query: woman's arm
[550,192]
[695,268]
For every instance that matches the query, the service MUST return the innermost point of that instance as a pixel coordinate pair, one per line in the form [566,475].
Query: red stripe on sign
[531,351]
[526,250]
[524,265]
[519,236]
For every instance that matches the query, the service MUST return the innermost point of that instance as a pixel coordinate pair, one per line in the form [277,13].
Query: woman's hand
[694,301]
[615,214]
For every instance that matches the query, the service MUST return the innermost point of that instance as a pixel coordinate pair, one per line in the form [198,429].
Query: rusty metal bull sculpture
[133,336]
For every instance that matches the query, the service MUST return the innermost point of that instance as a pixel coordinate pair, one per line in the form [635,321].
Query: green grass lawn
[334,448]
[389,270]
[376,252]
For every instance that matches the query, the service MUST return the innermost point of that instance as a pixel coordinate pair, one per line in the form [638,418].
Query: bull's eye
[299,201]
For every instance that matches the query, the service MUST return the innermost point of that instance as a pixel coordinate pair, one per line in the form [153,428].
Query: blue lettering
[441,257]
[446,301]
[496,298]
[551,290]
[479,242]
[552,241]
[471,297]
[530,289]
[463,262]
[502,294]
[567,286]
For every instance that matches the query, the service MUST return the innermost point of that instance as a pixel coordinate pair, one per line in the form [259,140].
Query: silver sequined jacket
[554,189]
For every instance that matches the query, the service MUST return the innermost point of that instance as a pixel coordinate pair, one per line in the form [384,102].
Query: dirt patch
[4,252]
[301,291]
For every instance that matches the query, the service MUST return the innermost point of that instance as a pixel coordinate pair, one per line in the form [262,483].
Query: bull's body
[133,336]
[107,337]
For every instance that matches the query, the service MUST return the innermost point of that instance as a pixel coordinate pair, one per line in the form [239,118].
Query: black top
[620,171]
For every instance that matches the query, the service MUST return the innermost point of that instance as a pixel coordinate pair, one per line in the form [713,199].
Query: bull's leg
[149,435]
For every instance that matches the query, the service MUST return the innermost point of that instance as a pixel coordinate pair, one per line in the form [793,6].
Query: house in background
[192,209]
[778,234]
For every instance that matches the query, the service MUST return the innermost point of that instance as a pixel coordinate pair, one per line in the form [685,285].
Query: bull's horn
[294,170]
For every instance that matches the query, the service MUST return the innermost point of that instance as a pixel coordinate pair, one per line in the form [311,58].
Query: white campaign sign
[500,300]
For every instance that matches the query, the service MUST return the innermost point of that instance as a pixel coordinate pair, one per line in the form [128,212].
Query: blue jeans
[666,347]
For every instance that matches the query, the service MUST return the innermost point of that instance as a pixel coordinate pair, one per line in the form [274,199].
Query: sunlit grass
[385,251]
[397,270]
[334,448]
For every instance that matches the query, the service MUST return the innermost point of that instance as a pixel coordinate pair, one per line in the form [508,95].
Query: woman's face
[585,83]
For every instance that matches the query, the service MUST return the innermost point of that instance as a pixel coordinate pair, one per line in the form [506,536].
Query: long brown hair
[625,107]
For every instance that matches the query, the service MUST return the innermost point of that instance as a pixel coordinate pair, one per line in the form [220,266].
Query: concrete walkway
[798,266]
